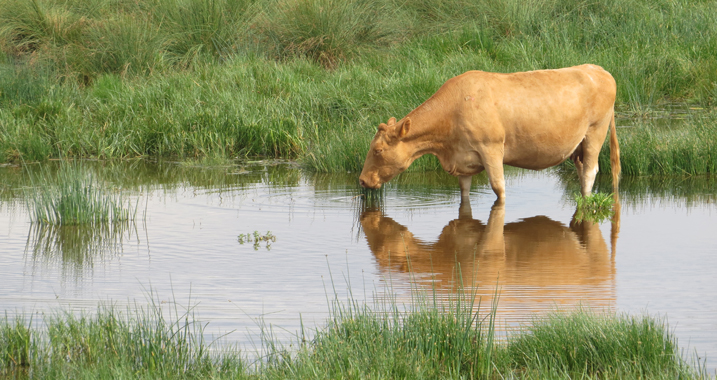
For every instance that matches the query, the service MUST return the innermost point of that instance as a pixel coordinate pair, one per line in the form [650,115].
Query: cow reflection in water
[538,263]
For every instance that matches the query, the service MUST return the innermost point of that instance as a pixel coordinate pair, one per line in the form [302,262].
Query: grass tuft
[16,344]
[326,31]
[595,207]
[76,198]
[597,345]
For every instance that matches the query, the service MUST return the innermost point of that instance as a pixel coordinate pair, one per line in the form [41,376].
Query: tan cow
[480,120]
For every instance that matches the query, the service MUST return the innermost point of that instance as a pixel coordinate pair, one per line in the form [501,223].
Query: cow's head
[388,154]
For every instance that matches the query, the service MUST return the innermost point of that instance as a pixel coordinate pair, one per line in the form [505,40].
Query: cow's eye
[377,151]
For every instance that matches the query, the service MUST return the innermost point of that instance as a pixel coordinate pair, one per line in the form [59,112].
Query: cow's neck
[431,129]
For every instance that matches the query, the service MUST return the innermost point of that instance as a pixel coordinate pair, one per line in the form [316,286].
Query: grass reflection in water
[77,248]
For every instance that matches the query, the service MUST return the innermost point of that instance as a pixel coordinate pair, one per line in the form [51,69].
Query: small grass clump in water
[76,198]
[595,207]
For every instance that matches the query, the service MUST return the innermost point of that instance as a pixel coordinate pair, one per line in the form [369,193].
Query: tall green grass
[308,79]
[432,339]
[16,343]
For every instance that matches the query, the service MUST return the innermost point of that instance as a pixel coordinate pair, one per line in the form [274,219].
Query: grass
[76,198]
[139,343]
[431,339]
[310,80]
[688,149]
[595,207]
[599,345]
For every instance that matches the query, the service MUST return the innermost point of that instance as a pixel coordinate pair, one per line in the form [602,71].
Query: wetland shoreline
[447,340]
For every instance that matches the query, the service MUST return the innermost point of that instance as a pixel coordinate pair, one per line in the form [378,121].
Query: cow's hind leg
[577,158]
[590,147]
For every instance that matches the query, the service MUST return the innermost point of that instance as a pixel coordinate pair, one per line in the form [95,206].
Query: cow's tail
[614,155]
[615,168]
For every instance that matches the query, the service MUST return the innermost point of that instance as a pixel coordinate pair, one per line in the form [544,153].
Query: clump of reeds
[75,197]
[429,340]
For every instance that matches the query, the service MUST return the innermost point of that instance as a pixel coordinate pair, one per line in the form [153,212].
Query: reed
[141,342]
[430,340]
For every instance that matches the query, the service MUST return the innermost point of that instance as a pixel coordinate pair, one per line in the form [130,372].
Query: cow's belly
[539,157]
[463,162]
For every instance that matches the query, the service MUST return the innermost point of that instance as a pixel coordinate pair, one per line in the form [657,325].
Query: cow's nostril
[362,183]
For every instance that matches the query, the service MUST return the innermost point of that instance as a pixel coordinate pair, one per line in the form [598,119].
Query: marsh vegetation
[430,339]
[311,79]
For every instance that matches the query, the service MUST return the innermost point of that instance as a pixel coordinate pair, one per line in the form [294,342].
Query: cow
[480,121]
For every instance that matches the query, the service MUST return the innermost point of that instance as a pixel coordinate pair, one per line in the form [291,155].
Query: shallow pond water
[184,246]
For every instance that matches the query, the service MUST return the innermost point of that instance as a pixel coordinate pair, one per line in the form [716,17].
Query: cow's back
[542,115]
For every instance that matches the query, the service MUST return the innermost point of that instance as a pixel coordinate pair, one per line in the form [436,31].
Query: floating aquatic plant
[257,238]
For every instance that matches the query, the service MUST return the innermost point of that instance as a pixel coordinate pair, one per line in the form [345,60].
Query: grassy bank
[429,341]
[309,79]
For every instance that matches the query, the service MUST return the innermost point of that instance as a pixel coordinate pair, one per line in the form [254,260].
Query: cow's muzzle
[364,183]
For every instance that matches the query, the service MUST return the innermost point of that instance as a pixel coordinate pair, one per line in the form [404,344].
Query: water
[184,247]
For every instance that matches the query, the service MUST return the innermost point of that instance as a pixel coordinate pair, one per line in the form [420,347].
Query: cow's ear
[404,128]
[391,121]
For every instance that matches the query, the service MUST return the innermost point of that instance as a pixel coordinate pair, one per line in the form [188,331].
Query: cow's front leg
[465,183]
[493,162]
